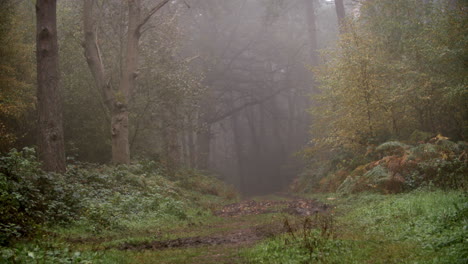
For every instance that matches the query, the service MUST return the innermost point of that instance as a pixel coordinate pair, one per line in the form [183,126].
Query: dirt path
[246,223]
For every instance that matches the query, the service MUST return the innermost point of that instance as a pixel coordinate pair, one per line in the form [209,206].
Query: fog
[233,131]
[256,57]
[221,86]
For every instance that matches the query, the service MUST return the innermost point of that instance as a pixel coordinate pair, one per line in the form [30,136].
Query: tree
[117,100]
[17,76]
[340,14]
[253,116]
[51,146]
[86,121]
[395,71]
[310,7]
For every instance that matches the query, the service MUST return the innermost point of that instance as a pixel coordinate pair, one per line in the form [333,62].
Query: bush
[46,253]
[440,163]
[419,136]
[114,195]
[30,197]
[96,197]
[392,148]
[208,185]
[433,220]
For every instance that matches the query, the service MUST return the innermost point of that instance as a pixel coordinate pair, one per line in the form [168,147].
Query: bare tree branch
[93,54]
[151,13]
[245,105]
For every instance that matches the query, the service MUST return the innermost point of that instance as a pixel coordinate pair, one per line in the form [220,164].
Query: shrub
[46,253]
[97,197]
[210,185]
[30,197]
[419,136]
[333,182]
[440,163]
[393,148]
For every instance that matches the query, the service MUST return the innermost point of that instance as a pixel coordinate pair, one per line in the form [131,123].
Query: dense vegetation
[96,199]
[393,101]
[163,103]
[424,226]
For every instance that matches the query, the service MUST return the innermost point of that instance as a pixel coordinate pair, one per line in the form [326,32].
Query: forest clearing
[209,226]
[234,131]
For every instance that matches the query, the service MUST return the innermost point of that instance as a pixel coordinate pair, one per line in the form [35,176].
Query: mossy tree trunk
[51,145]
[116,100]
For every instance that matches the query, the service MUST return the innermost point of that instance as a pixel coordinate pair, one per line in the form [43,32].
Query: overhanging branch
[245,105]
[151,13]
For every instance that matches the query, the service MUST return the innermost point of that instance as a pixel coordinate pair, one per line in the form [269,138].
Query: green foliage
[30,197]
[85,119]
[370,180]
[94,197]
[285,249]
[437,221]
[113,196]
[312,242]
[424,151]
[397,74]
[209,185]
[17,73]
[419,136]
[392,147]
[394,167]
[46,253]
[418,227]
[442,164]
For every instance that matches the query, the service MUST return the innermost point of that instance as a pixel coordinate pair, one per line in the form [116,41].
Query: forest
[234,131]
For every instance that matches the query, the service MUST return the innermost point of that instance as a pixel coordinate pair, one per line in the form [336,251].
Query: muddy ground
[245,233]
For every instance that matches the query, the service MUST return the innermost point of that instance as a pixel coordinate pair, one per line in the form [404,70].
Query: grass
[100,248]
[423,226]
[418,227]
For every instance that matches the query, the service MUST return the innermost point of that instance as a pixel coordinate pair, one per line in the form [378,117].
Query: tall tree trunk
[340,14]
[312,28]
[245,187]
[51,144]
[203,138]
[172,150]
[117,101]
[119,126]
[191,149]
[203,147]
[191,144]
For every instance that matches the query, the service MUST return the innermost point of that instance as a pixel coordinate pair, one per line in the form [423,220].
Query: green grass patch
[418,227]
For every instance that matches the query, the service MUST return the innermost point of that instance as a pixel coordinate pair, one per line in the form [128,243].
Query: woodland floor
[237,226]
[238,230]
[417,227]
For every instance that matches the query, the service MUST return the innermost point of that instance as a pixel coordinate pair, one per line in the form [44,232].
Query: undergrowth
[391,167]
[92,200]
[418,227]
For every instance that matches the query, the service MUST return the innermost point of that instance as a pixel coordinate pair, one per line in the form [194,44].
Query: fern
[424,151]
[392,146]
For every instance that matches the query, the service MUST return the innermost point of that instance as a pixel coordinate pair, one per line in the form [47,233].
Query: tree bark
[203,133]
[238,147]
[340,14]
[51,145]
[203,150]
[119,126]
[172,150]
[312,28]
[117,101]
